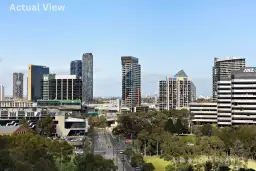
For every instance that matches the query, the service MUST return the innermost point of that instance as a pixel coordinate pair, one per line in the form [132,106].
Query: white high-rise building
[176,92]
[2,95]
[236,100]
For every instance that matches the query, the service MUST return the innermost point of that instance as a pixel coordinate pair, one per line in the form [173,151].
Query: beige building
[71,126]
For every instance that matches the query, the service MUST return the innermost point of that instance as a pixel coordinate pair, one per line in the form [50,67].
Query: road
[104,146]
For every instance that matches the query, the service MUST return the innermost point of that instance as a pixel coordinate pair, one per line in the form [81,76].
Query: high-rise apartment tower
[131,81]
[87,78]
[18,85]
[222,68]
[176,92]
[35,77]
[76,68]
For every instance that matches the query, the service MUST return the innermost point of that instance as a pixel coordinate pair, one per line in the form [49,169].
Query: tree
[31,152]
[170,168]
[24,123]
[129,152]
[46,126]
[208,166]
[137,160]
[94,162]
[206,130]
[5,160]
[224,168]
[147,167]
[169,126]
[87,146]
[179,127]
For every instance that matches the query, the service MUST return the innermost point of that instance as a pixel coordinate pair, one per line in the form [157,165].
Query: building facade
[35,76]
[176,92]
[243,96]
[16,104]
[61,87]
[18,85]
[2,95]
[222,68]
[236,98]
[87,78]
[224,101]
[76,68]
[131,81]
[203,112]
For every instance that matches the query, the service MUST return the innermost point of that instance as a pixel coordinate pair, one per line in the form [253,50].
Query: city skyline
[177,34]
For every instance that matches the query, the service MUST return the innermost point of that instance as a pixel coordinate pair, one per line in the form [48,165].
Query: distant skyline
[166,36]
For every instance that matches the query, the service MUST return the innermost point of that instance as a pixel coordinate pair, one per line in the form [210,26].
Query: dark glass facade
[87,78]
[35,76]
[76,68]
[131,81]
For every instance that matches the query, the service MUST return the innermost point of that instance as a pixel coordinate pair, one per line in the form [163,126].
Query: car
[122,158]
[121,151]
[137,169]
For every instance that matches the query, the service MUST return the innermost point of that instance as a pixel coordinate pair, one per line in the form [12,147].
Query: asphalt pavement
[103,145]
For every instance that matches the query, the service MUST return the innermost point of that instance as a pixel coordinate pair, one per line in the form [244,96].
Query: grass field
[160,164]
[188,138]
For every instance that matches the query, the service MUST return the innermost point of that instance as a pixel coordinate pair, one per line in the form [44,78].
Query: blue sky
[166,36]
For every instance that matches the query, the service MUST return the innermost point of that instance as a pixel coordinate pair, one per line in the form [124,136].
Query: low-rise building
[71,126]
[203,112]
[16,104]
[236,101]
[10,130]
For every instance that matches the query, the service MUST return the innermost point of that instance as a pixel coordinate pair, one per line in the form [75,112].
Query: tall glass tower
[18,85]
[131,81]
[76,68]
[87,78]
[35,78]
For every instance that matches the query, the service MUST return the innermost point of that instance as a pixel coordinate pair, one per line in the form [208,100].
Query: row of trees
[158,133]
[136,160]
[29,152]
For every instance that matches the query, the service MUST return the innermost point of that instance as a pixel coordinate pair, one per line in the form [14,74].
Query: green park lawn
[158,163]
[188,138]
[251,164]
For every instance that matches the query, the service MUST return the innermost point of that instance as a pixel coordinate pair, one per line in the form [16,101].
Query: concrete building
[35,76]
[18,85]
[176,92]
[131,82]
[16,104]
[2,95]
[236,99]
[224,101]
[243,96]
[76,68]
[71,126]
[61,87]
[87,78]
[222,68]
[203,112]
